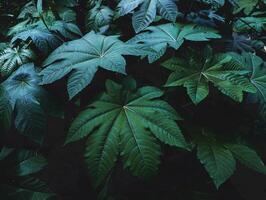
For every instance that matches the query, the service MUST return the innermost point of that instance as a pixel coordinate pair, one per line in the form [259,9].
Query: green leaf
[144,16]
[27,163]
[67,30]
[214,3]
[42,39]
[26,98]
[247,6]
[125,122]
[257,77]
[219,157]
[67,3]
[247,157]
[19,166]
[99,18]
[30,119]
[217,160]
[30,189]
[195,70]
[40,6]
[82,58]
[146,13]
[5,110]
[249,24]
[5,152]
[158,38]
[12,58]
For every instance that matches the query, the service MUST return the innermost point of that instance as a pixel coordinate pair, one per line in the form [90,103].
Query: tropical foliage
[136,86]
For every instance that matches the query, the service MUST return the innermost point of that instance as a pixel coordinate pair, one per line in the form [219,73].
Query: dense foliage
[132,84]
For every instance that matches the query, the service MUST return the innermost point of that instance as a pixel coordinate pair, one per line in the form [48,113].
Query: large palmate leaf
[12,58]
[219,158]
[26,98]
[197,69]
[125,122]
[146,13]
[158,38]
[18,182]
[82,58]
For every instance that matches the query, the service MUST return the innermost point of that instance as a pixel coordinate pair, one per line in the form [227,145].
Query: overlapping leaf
[249,24]
[247,6]
[219,158]
[257,76]
[146,13]
[196,70]
[12,58]
[99,18]
[126,122]
[158,38]
[19,166]
[42,39]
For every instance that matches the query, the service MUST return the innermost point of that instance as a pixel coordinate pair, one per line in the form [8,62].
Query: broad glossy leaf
[26,98]
[82,58]
[158,38]
[126,122]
